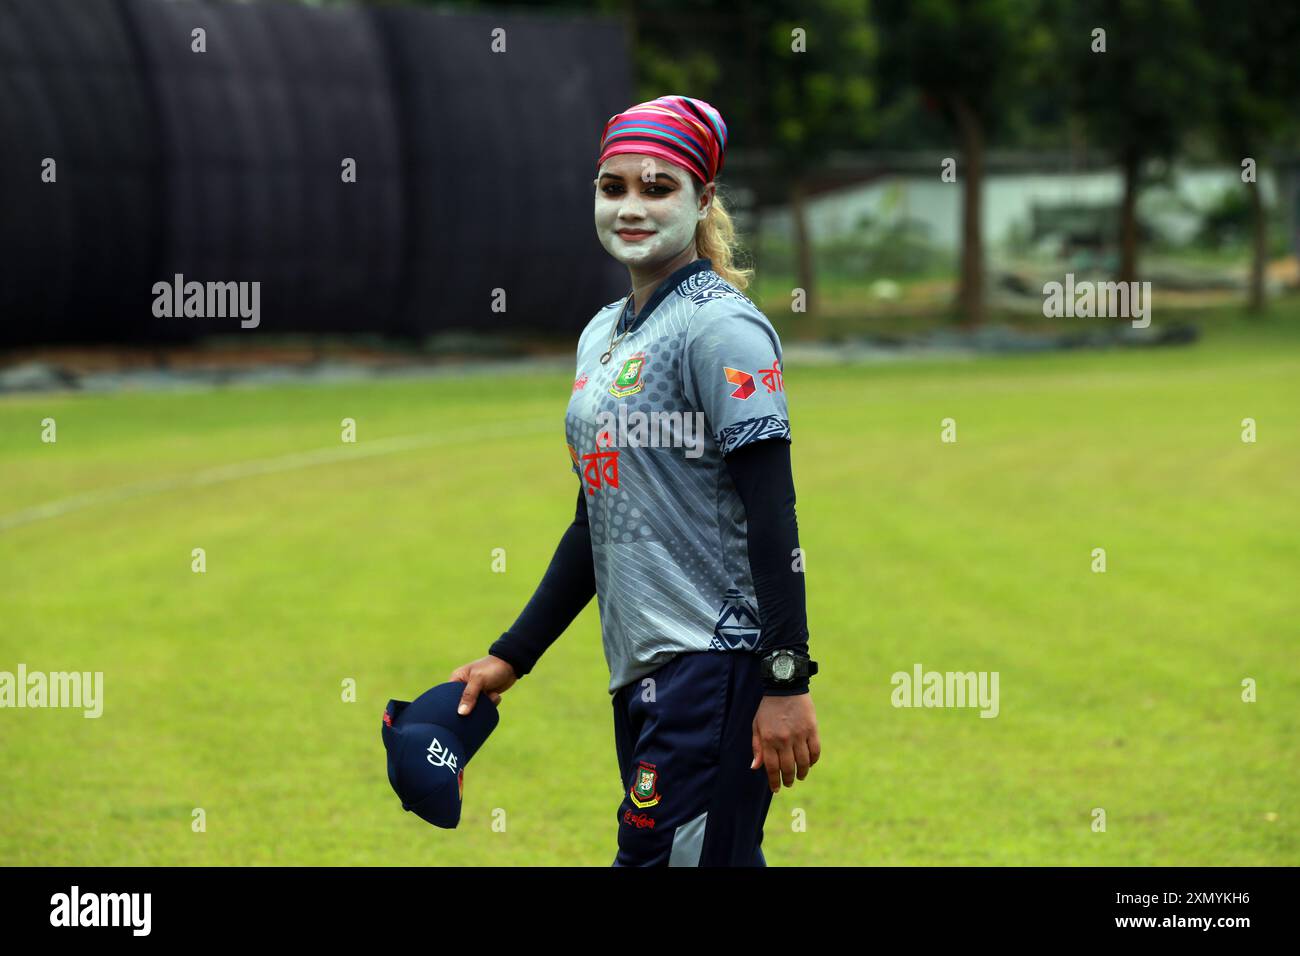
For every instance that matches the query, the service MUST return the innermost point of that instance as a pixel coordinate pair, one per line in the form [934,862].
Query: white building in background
[1010,198]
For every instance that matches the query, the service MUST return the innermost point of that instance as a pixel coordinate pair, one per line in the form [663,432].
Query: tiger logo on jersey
[628,381]
[644,792]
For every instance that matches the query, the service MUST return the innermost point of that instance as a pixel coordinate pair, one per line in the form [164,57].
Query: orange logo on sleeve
[743,381]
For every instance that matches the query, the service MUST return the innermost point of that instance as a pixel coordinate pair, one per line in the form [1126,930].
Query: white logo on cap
[441,756]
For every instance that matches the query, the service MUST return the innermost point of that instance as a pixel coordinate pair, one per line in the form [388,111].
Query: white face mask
[667,210]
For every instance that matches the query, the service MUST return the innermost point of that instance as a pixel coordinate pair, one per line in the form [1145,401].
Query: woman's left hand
[785,738]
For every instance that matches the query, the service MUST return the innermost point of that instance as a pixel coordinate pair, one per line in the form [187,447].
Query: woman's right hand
[489,675]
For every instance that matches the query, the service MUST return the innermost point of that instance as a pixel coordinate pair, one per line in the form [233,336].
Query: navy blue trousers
[683,736]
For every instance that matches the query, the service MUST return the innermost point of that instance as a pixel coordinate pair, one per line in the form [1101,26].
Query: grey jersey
[697,377]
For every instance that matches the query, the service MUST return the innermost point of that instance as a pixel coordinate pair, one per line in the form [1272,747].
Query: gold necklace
[604,359]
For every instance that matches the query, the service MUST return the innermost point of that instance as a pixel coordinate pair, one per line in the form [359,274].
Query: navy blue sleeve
[763,478]
[567,587]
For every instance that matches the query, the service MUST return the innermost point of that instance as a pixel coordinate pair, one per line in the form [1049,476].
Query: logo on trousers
[644,793]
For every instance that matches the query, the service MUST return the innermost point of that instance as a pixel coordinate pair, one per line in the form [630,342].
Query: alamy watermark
[79,689]
[922,688]
[209,300]
[1086,299]
[657,429]
[76,908]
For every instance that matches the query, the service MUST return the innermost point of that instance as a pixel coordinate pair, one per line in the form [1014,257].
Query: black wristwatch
[785,668]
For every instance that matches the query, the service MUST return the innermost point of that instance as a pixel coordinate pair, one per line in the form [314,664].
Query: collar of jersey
[668,285]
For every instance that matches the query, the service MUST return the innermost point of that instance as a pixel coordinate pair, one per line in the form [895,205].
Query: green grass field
[372,562]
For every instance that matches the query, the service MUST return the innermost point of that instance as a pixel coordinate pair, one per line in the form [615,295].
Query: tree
[972,61]
[1256,86]
[1138,76]
[818,93]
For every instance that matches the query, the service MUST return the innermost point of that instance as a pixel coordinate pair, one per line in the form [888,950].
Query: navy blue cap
[428,746]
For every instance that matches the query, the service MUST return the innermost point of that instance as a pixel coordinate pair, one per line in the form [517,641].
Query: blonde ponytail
[715,239]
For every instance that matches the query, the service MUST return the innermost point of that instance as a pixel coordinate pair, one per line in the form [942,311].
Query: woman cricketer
[685,527]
